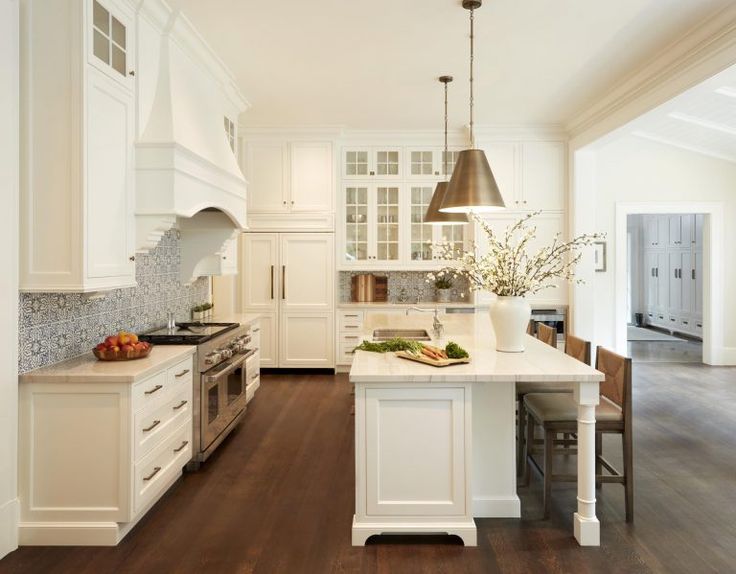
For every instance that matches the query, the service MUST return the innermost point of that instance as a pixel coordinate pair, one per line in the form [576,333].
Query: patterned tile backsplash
[55,326]
[408,287]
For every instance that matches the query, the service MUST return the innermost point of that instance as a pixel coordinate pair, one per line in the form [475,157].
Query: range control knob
[225,353]
[212,358]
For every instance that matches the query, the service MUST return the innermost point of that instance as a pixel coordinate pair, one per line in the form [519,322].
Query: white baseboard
[496,507]
[9,526]
[68,533]
[722,356]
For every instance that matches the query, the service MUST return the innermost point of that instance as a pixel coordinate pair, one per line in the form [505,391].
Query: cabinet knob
[292,202]
[131,73]
[284,202]
[373,173]
[132,257]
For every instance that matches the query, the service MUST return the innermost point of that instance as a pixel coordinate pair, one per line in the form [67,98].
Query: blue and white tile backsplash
[58,326]
[408,287]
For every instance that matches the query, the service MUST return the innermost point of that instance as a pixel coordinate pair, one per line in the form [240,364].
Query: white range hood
[184,162]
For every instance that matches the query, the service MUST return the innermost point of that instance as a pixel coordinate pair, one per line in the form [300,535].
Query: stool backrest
[577,348]
[547,334]
[617,386]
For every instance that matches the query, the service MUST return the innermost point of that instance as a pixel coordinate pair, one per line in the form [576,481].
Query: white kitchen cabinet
[697,236]
[680,230]
[288,177]
[77,200]
[656,231]
[96,454]
[377,162]
[530,175]
[288,278]
[425,163]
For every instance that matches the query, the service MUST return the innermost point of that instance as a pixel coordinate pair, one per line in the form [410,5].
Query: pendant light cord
[472,58]
[444,159]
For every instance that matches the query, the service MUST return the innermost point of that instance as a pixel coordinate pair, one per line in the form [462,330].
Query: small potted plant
[198,313]
[442,280]
[208,307]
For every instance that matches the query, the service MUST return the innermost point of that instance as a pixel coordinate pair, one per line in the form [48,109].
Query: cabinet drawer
[345,355]
[181,372]
[154,472]
[149,391]
[153,426]
[353,339]
[351,320]
[255,336]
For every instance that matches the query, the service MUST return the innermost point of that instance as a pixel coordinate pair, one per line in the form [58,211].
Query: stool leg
[528,447]
[628,476]
[521,423]
[549,442]
[598,452]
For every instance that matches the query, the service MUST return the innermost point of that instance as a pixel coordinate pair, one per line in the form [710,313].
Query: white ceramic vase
[510,318]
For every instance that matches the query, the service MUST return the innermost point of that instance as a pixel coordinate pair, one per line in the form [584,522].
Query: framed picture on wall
[599,256]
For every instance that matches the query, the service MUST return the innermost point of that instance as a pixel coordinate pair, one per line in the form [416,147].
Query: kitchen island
[435,447]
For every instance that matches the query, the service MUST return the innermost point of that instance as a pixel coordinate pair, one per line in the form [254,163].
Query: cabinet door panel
[697,239]
[663,285]
[109,179]
[543,175]
[674,283]
[651,280]
[686,283]
[675,230]
[307,340]
[311,176]
[269,340]
[266,170]
[415,450]
[306,271]
[260,272]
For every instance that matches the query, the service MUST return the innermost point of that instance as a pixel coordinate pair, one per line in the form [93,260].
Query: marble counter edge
[75,368]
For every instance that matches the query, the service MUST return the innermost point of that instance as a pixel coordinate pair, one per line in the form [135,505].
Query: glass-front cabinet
[110,41]
[371,163]
[372,224]
[427,163]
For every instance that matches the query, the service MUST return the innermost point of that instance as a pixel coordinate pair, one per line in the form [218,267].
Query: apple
[111,341]
[101,347]
[133,338]
[126,348]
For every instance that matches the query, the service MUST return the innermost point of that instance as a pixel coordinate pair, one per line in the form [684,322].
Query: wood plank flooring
[278,497]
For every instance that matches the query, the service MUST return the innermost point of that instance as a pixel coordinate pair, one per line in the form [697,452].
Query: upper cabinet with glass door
[111,41]
[371,163]
[372,225]
[424,236]
[426,163]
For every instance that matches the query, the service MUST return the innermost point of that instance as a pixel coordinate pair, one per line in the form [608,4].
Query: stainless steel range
[222,364]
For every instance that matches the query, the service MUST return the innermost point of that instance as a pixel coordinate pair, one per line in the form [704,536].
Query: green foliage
[390,346]
[455,351]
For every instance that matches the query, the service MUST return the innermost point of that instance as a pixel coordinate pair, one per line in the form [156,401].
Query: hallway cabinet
[673,267]
[288,279]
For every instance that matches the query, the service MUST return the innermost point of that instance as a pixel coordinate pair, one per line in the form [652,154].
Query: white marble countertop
[538,363]
[389,305]
[87,369]
[242,318]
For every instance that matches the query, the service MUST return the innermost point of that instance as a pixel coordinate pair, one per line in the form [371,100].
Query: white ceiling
[373,64]
[702,119]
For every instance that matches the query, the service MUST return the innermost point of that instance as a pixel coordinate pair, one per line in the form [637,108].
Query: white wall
[9,157]
[632,169]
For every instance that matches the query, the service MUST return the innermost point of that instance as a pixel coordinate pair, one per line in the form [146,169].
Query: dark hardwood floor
[278,497]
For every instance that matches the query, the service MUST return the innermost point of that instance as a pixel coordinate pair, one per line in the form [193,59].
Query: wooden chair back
[617,385]
[547,334]
[530,328]
[577,348]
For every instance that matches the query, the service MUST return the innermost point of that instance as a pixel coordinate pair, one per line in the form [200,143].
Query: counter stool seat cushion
[523,388]
[560,407]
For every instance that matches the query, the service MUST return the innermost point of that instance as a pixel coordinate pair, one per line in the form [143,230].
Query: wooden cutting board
[434,362]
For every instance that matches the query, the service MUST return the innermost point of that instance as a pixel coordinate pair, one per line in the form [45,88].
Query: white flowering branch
[508,269]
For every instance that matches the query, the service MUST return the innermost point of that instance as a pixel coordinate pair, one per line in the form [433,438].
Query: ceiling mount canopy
[472,188]
[434,215]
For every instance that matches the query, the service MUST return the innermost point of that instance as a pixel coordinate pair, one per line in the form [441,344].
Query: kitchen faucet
[437,326]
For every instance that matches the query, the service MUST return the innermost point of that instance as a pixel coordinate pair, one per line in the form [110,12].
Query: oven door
[223,397]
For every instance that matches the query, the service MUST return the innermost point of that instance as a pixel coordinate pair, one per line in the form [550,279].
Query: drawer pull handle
[183,444]
[153,426]
[181,404]
[179,375]
[257,330]
[154,389]
[154,473]
[255,376]
[352,316]
[351,326]
[350,337]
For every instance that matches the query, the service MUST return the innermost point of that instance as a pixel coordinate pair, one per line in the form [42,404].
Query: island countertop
[538,363]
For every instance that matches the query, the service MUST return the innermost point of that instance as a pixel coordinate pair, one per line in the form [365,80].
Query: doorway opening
[665,321]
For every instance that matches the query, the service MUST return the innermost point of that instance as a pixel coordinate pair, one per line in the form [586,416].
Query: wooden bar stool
[557,413]
[574,347]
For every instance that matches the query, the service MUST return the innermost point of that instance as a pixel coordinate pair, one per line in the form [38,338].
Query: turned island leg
[586,525]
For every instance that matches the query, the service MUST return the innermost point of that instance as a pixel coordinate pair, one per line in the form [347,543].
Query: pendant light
[434,215]
[472,188]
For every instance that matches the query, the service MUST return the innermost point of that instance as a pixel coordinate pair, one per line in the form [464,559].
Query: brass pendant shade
[435,216]
[472,188]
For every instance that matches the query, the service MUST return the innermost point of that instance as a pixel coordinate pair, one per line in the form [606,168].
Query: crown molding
[520,132]
[702,52]
[326,131]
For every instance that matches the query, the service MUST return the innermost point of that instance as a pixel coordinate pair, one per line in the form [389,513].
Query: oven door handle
[226,371]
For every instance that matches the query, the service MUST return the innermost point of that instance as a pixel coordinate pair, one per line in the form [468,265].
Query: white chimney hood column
[184,163]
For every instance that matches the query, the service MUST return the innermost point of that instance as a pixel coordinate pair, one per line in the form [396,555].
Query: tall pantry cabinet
[287,259]
[288,279]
